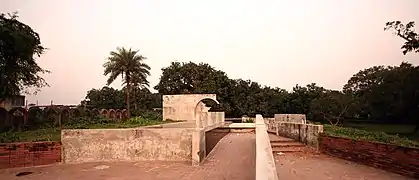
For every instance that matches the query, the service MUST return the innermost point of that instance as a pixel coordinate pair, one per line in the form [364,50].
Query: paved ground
[232,159]
[309,165]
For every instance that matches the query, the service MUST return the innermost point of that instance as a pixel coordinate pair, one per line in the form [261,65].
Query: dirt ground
[233,158]
[304,165]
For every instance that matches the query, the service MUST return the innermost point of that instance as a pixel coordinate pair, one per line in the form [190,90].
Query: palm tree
[128,64]
[138,81]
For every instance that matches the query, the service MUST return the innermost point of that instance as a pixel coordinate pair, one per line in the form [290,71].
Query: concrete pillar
[198,146]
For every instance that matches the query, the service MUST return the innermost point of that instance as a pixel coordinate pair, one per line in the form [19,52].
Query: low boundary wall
[397,159]
[265,163]
[131,144]
[305,133]
[29,154]
[293,118]
[182,141]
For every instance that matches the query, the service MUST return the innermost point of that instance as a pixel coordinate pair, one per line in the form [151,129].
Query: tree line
[388,94]
[380,93]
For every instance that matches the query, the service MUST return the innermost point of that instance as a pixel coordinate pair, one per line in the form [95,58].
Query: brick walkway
[302,166]
[233,158]
[297,162]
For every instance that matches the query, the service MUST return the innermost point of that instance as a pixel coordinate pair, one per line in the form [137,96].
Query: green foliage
[407,33]
[141,121]
[388,94]
[331,106]
[357,134]
[130,66]
[109,98]
[54,134]
[105,98]
[152,115]
[18,68]
[50,134]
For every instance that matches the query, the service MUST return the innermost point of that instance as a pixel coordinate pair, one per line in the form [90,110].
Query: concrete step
[282,141]
[287,149]
[287,144]
[275,138]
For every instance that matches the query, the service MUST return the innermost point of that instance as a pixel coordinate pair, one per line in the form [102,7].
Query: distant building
[12,102]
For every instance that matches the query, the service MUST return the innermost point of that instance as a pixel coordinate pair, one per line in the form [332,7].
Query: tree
[19,43]
[189,78]
[332,106]
[105,98]
[407,32]
[300,98]
[387,94]
[139,82]
[110,98]
[128,64]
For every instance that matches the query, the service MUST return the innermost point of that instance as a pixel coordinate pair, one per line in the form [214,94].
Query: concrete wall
[207,121]
[181,107]
[168,142]
[295,118]
[305,133]
[134,144]
[265,163]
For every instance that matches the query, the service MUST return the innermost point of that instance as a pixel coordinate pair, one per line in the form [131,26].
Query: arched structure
[18,117]
[87,112]
[200,112]
[75,112]
[35,116]
[95,112]
[124,114]
[118,114]
[181,107]
[111,114]
[51,115]
[104,113]
[4,120]
[64,117]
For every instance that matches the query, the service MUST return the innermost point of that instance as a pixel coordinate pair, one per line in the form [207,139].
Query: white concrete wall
[181,107]
[294,118]
[265,163]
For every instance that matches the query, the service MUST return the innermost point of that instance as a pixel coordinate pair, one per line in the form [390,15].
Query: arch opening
[201,108]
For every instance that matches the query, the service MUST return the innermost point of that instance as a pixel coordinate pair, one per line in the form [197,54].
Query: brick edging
[25,154]
[392,158]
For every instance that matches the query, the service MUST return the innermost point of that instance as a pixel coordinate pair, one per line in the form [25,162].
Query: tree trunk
[135,99]
[416,129]
[128,98]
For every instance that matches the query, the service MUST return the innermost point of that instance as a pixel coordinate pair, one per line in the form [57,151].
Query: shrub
[357,134]
[142,121]
[152,115]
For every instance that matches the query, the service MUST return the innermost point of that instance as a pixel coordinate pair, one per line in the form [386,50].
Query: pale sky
[273,42]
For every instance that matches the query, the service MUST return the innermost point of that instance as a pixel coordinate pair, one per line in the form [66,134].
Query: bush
[53,133]
[140,121]
[152,115]
[357,134]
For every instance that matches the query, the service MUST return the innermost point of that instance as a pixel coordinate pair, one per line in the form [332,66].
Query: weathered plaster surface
[206,121]
[139,144]
[181,107]
[181,141]
[295,118]
[306,133]
[265,164]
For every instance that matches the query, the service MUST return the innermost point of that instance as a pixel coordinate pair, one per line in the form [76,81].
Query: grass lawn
[404,130]
[54,134]
[387,128]
[375,136]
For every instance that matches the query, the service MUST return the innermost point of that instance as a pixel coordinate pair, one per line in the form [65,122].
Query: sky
[278,43]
